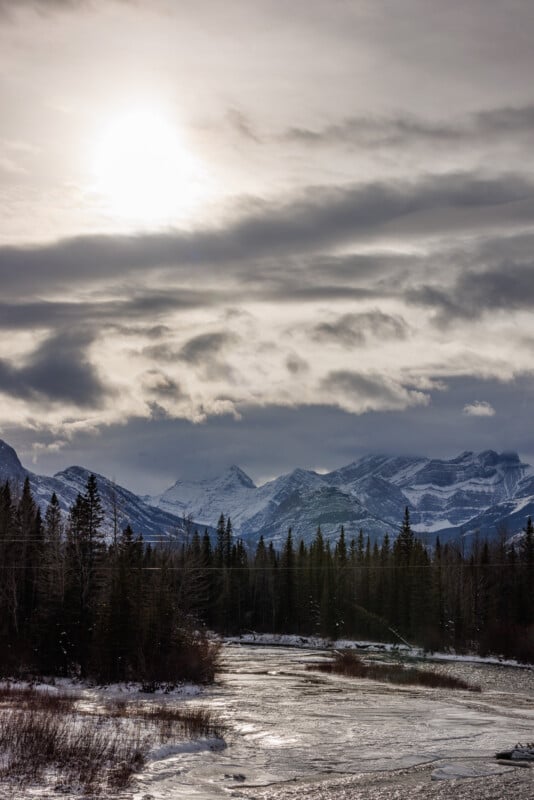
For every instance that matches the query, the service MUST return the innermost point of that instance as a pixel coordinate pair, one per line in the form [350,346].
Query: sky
[264,233]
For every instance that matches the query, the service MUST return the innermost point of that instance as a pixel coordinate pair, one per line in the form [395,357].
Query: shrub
[29,697]
[191,721]
[82,750]
[348,663]
[43,731]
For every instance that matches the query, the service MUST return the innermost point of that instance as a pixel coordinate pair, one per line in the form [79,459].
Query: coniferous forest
[74,603]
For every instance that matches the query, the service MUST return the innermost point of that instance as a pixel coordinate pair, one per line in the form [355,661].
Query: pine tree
[30,541]
[288,599]
[85,552]
[52,584]
[402,587]
[115,651]
[527,576]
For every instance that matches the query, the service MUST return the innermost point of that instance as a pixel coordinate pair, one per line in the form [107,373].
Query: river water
[294,733]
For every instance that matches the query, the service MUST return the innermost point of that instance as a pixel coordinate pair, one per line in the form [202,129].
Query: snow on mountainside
[483,490]
[301,500]
[10,467]
[116,501]
[206,499]
[486,491]
[128,507]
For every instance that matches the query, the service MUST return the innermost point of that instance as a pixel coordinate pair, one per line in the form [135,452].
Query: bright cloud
[480,408]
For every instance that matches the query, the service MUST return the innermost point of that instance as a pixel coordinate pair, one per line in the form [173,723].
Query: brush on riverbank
[54,737]
[348,663]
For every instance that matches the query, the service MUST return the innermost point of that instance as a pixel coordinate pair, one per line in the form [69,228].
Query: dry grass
[350,664]
[44,734]
[194,722]
[80,750]
[29,697]
[187,721]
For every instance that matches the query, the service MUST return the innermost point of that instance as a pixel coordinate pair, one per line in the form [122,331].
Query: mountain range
[488,492]
[119,504]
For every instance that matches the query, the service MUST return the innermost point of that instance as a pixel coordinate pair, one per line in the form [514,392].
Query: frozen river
[294,733]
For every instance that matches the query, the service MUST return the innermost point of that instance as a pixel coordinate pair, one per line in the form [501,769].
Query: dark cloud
[332,217]
[8,8]
[297,365]
[149,331]
[508,287]
[354,329]
[205,347]
[157,411]
[371,392]
[410,130]
[140,306]
[148,455]
[162,386]
[242,124]
[58,371]
[162,352]
[205,351]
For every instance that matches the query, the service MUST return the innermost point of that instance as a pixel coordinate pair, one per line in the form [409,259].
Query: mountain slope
[118,503]
[484,489]
[487,491]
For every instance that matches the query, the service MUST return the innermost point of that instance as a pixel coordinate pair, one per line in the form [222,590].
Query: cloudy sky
[268,233]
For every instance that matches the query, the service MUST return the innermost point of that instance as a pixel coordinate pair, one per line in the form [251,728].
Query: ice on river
[289,726]
[455,771]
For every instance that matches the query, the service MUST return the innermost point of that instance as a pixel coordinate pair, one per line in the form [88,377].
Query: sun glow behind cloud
[144,172]
[347,243]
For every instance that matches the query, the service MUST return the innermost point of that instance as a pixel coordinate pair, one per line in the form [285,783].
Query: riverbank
[320,643]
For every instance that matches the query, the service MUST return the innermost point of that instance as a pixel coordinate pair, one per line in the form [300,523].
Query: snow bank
[312,642]
[320,643]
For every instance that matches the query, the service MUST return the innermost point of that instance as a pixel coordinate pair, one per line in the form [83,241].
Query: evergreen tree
[526,611]
[85,552]
[288,598]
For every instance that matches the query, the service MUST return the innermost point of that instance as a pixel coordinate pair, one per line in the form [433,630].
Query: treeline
[482,600]
[72,604]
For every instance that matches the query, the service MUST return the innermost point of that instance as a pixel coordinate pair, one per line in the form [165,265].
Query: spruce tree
[527,576]
[288,600]
[85,552]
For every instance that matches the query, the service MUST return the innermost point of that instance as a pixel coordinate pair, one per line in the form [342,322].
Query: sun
[144,172]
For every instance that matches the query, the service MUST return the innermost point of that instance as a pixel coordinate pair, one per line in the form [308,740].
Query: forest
[74,602]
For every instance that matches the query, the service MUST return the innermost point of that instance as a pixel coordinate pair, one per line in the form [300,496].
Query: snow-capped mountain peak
[486,491]
[371,493]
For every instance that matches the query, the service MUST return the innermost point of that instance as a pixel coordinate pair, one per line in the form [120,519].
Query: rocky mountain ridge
[121,507]
[488,492]
[484,491]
